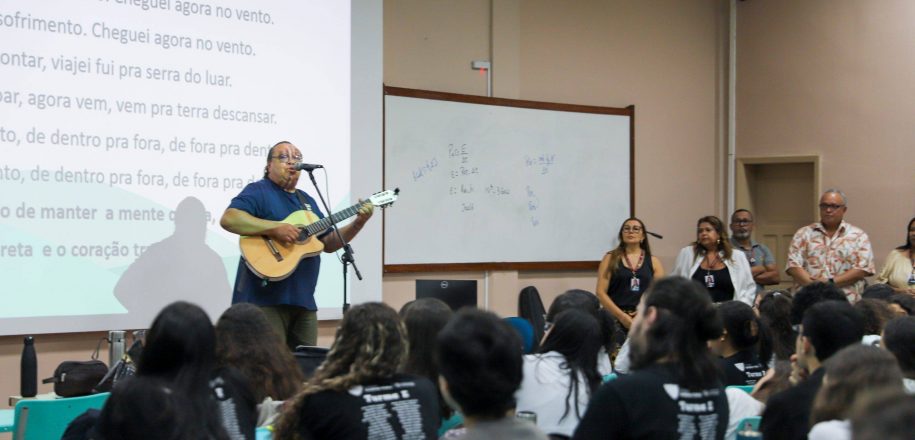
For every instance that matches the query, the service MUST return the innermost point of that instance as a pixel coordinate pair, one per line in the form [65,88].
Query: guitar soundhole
[303,235]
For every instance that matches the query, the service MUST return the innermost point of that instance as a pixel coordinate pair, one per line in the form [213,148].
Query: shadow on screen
[180,267]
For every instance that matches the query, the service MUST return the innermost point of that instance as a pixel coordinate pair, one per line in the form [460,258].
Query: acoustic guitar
[274,261]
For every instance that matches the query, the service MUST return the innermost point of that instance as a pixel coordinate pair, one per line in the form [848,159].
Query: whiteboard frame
[504,102]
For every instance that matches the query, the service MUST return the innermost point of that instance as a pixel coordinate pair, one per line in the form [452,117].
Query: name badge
[634,284]
[710,281]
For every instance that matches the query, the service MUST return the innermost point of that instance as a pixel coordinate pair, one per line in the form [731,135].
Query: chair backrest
[530,307]
[525,331]
[748,424]
[48,419]
[746,388]
[309,358]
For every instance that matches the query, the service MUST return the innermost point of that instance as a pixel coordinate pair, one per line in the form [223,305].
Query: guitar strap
[302,200]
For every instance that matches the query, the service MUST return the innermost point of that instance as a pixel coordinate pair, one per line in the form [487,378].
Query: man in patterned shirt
[832,251]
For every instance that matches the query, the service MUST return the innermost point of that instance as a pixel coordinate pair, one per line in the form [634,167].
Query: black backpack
[530,307]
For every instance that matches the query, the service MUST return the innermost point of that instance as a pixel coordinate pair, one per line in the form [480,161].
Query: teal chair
[48,419]
[748,424]
[746,388]
[263,433]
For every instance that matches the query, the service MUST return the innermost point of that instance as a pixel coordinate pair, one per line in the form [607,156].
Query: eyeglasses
[285,158]
[830,206]
[742,222]
[632,229]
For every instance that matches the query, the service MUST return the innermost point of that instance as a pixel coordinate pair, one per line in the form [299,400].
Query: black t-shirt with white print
[743,368]
[400,407]
[649,404]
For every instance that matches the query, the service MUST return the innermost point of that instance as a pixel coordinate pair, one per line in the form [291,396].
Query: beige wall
[834,78]
[665,57]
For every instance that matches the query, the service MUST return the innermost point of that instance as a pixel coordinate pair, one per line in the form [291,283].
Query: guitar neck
[326,222]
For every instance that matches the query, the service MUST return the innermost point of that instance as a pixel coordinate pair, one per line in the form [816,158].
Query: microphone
[654,234]
[307,167]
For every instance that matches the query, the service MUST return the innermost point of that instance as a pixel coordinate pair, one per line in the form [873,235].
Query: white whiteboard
[491,182]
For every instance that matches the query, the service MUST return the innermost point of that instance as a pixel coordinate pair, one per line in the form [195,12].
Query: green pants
[295,325]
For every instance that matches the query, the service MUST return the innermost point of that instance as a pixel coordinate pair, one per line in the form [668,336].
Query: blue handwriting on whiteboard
[424,169]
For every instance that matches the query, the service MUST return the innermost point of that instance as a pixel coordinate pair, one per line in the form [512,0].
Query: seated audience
[902,304]
[876,313]
[148,409]
[179,360]
[588,302]
[480,362]
[424,319]
[899,270]
[674,390]
[899,339]
[712,262]
[826,328]
[850,374]
[775,316]
[776,380]
[246,341]
[559,380]
[738,345]
[878,291]
[883,416]
[357,393]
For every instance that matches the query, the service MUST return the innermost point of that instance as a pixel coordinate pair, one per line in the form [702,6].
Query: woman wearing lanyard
[626,272]
[711,261]
[899,270]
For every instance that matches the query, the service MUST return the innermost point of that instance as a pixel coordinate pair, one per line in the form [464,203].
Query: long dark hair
[908,243]
[745,331]
[724,244]
[370,344]
[617,253]
[775,314]
[576,335]
[180,350]
[587,302]
[424,320]
[245,341]
[686,319]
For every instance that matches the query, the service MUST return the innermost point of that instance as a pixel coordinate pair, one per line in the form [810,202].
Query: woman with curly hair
[246,341]
[357,393]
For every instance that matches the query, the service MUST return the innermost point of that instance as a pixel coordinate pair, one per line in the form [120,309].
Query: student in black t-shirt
[738,345]
[357,392]
[674,391]
[179,360]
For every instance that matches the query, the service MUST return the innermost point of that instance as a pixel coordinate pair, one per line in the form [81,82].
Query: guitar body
[274,261]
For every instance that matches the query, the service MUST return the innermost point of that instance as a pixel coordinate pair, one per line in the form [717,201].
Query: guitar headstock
[383,199]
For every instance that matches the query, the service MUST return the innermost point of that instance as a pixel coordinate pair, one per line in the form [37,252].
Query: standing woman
[711,261]
[626,272]
[899,270]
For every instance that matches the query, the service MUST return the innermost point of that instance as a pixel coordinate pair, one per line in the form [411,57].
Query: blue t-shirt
[266,200]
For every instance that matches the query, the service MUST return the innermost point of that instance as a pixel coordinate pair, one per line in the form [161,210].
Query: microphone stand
[347,257]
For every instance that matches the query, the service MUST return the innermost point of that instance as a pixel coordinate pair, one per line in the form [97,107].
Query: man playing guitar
[257,211]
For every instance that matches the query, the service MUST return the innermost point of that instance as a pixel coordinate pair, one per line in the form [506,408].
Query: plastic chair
[746,388]
[748,424]
[48,419]
[309,358]
[263,433]
[525,331]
